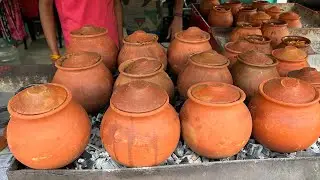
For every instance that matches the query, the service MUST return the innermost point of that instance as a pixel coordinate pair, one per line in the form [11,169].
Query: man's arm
[118,13]
[176,24]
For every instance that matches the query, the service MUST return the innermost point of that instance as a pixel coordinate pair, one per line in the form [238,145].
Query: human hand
[176,26]
[54,57]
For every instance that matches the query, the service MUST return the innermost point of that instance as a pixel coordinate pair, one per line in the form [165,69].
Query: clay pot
[308,74]
[233,49]
[260,43]
[94,39]
[290,58]
[235,6]
[3,143]
[243,29]
[146,69]
[259,17]
[220,16]
[142,44]
[206,66]
[188,42]
[274,12]
[300,42]
[206,6]
[215,121]
[55,131]
[286,116]
[260,5]
[87,78]
[251,69]
[292,18]
[275,30]
[245,13]
[140,128]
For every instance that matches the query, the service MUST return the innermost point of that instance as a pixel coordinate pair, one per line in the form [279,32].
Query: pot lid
[248,25]
[257,39]
[297,41]
[308,74]
[141,37]
[289,53]
[215,93]
[256,58]
[260,15]
[193,34]
[289,90]
[79,60]
[221,8]
[143,66]
[88,30]
[210,58]
[274,9]
[139,97]
[289,15]
[38,99]
[240,46]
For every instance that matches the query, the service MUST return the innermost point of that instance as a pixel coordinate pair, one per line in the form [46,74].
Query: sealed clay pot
[261,44]
[235,6]
[233,49]
[140,128]
[245,13]
[308,74]
[292,19]
[188,42]
[290,58]
[142,44]
[260,5]
[146,69]
[275,30]
[243,29]
[87,78]
[259,17]
[300,42]
[285,114]
[206,66]
[274,12]
[251,69]
[206,6]
[55,131]
[94,39]
[215,121]
[220,16]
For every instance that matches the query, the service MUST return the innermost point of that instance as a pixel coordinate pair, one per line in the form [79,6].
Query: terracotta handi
[140,128]
[259,17]
[286,116]
[243,29]
[245,13]
[235,6]
[275,30]
[300,42]
[220,16]
[206,66]
[55,131]
[87,78]
[142,44]
[260,5]
[94,39]
[274,12]
[188,42]
[206,6]
[308,74]
[251,69]
[146,69]
[233,49]
[290,58]
[260,43]
[292,18]
[215,121]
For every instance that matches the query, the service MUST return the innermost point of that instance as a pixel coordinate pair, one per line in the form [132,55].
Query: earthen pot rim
[286,60]
[250,38]
[236,102]
[99,61]
[72,33]
[248,9]
[214,66]
[125,64]
[275,23]
[272,10]
[46,114]
[226,47]
[284,40]
[206,39]
[221,9]
[247,25]
[154,40]
[294,105]
[275,63]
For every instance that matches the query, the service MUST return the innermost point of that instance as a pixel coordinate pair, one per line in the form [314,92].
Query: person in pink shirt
[74,14]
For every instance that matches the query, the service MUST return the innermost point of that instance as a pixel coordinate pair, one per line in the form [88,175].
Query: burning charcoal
[194,156]
[179,150]
[170,161]
[241,155]
[86,155]
[251,141]
[266,152]
[188,152]
[99,117]
[99,162]
[174,156]
[190,159]
[205,160]
[103,154]
[257,153]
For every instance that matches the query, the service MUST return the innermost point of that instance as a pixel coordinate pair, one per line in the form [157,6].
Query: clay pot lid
[240,46]
[308,74]
[221,9]
[139,97]
[243,24]
[78,60]
[143,66]
[289,53]
[297,41]
[215,93]
[193,35]
[88,30]
[289,90]
[38,99]
[289,16]
[275,23]
[256,58]
[274,9]
[257,39]
[210,59]
[260,15]
[141,37]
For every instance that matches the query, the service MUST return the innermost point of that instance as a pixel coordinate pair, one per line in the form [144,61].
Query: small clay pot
[286,116]
[140,128]
[251,69]
[56,129]
[233,49]
[274,12]
[146,69]
[275,30]
[94,39]
[290,58]
[308,74]
[142,44]
[245,13]
[259,17]
[300,42]
[202,67]
[243,29]
[292,19]
[215,121]
[260,5]
[206,6]
[220,16]
[261,44]
[235,6]
[87,78]
[188,42]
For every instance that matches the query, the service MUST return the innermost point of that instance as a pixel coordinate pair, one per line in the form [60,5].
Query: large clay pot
[47,128]
[244,29]
[290,58]
[259,17]
[245,13]
[206,6]
[260,43]
[251,69]
[275,30]
[188,42]
[220,16]
[140,128]
[142,44]
[260,5]
[146,69]
[206,66]
[215,121]
[308,74]
[94,39]
[292,18]
[233,49]
[235,6]
[274,12]
[300,42]
[285,113]
[87,78]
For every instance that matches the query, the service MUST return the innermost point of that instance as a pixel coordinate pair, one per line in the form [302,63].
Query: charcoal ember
[170,161]
[254,151]
[86,155]
[188,152]
[191,159]
[99,162]
[241,155]
[103,154]
[99,117]
[179,151]
[267,152]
